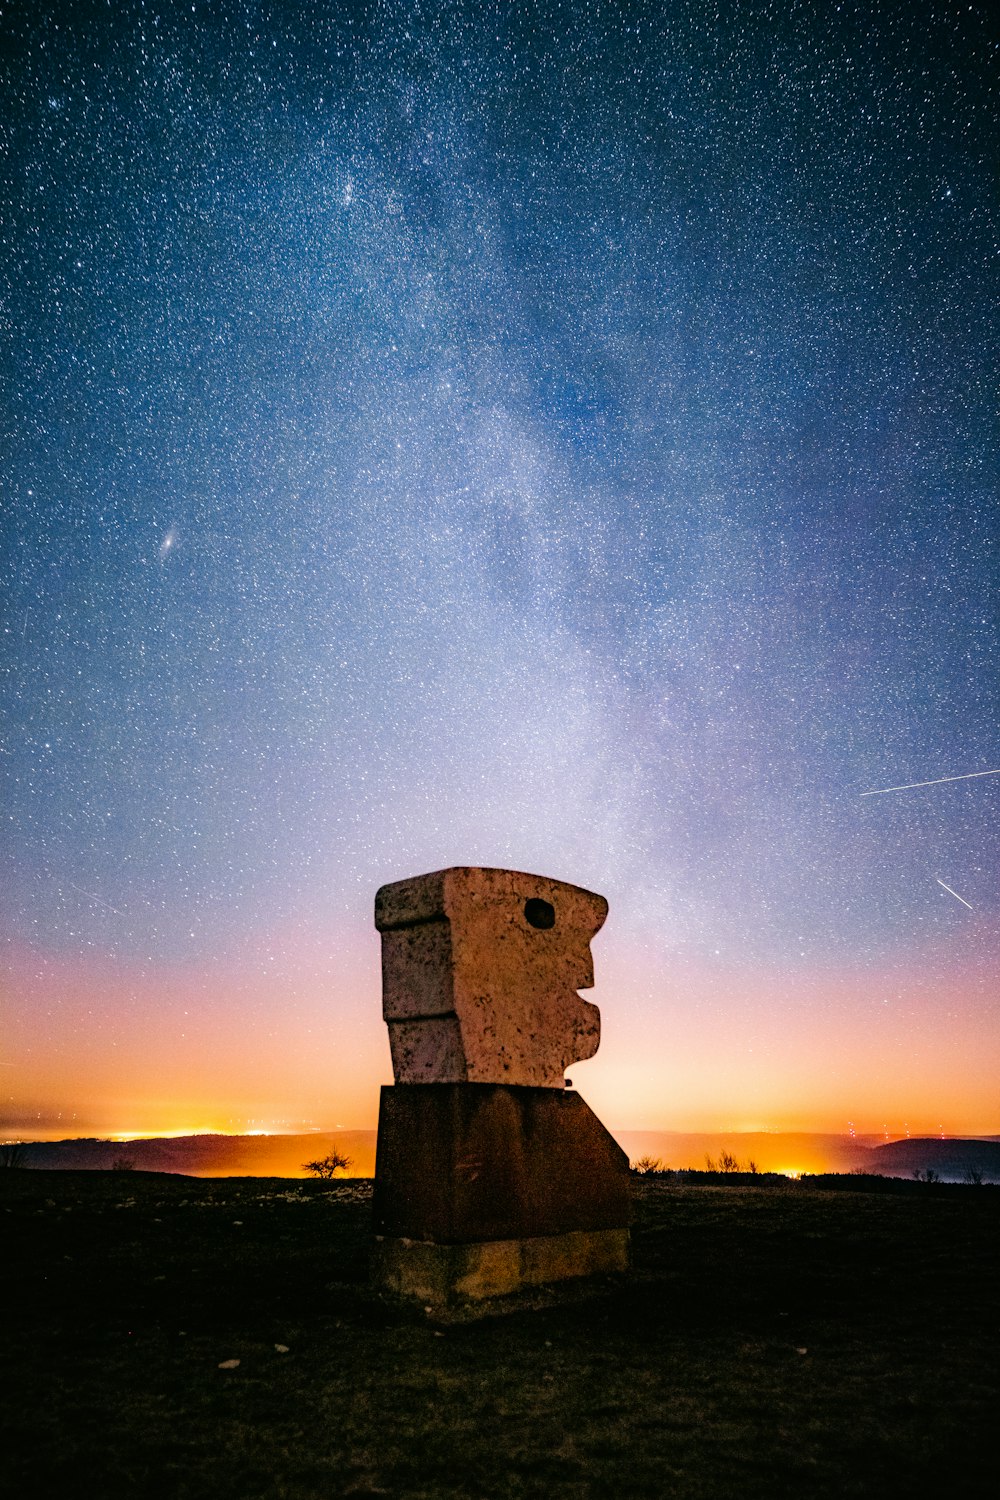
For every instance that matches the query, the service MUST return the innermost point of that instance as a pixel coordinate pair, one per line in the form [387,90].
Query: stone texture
[480,973]
[490,1176]
[442,1275]
[458,1163]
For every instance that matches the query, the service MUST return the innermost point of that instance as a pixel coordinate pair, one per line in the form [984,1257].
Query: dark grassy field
[771,1342]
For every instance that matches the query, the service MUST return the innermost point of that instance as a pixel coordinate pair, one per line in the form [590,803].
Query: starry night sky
[556,436]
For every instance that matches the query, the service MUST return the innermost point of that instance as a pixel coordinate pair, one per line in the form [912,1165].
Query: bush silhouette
[727,1162]
[648,1166]
[328,1166]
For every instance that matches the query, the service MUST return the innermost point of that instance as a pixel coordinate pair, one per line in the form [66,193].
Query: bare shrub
[328,1166]
[13,1154]
[726,1162]
[648,1166]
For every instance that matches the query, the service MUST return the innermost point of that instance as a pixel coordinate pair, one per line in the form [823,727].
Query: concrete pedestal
[442,1275]
[482,1190]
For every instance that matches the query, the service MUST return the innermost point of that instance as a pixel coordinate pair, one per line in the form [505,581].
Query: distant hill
[951,1160]
[283,1155]
[772,1151]
[210,1155]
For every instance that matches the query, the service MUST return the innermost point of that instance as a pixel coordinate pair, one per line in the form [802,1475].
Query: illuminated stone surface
[480,973]
[490,1176]
[442,1275]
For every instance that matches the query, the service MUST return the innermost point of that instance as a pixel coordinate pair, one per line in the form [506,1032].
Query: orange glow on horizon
[98,1047]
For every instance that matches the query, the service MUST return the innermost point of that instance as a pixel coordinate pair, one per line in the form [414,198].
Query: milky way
[551,436]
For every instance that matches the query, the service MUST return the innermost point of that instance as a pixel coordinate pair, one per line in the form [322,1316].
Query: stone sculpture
[490,1175]
[480,973]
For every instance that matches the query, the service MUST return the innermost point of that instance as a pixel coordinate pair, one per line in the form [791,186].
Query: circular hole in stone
[539,913]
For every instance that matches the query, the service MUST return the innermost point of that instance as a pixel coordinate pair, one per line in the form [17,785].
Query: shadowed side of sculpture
[491,1178]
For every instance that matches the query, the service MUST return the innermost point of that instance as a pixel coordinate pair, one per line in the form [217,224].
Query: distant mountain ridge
[951,1160]
[210,1155]
[954,1160]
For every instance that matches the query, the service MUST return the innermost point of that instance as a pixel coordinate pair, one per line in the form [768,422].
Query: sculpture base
[471,1163]
[441,1276]
[484,1191]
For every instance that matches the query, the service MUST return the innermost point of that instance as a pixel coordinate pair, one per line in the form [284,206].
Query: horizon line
[9,1134]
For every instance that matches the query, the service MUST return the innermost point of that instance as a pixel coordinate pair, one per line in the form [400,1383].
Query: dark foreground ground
[771,1342]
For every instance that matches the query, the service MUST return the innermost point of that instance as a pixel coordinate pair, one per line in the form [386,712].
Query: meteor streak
[93,896]
[954,893]
[909,785]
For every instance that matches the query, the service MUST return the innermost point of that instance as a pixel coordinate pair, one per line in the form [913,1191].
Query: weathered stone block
[490,1177]
[442,1276]
[480,973]
[458,1163]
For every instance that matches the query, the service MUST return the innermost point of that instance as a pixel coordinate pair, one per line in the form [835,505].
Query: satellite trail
[909,785]
[93,896]
[954,893]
